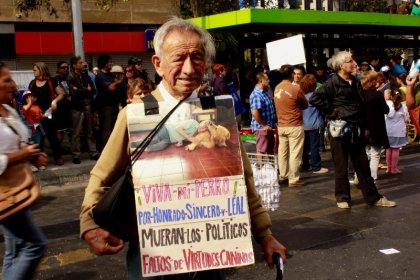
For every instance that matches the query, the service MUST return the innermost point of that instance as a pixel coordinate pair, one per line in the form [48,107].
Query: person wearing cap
[107,99]
[364,66]
[82,91]
[33,115]
[138,64]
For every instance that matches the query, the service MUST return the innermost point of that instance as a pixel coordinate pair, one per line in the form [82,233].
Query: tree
[28,6]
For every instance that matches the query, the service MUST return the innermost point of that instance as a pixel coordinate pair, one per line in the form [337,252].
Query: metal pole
[76,9]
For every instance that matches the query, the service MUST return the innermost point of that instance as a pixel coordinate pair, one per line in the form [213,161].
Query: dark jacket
[346,98]
[376,108]
[80,96]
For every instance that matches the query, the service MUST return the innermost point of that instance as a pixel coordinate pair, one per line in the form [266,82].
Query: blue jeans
[311,157]
[24,244]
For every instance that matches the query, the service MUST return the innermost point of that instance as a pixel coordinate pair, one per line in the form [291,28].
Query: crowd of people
[365,103]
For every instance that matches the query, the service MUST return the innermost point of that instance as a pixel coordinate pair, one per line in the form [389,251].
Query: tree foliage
[25,7]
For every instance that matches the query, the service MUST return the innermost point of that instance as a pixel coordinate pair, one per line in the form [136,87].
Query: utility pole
[76,10]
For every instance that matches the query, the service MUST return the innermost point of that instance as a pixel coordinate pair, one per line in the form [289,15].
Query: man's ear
[156,62]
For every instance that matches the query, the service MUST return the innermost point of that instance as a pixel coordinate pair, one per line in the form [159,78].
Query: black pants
[341,150]
[51,133]
[107,118]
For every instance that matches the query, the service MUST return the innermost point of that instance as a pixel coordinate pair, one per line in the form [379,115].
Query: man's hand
[101,242]
[271,245]
[267,127]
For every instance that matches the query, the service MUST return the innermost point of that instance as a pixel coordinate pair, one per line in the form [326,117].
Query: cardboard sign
[285,51]
[191,200]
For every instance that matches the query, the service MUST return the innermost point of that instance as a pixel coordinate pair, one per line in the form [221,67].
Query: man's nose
[188,67]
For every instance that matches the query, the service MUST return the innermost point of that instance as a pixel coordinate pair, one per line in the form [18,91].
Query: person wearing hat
[33,115]
[107,100]
[364,66]
[138,63]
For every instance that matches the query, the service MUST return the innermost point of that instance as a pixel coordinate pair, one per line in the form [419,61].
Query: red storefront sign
[94,42]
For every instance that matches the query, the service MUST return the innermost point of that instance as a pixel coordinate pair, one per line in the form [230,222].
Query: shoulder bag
[18,187]
[116,211]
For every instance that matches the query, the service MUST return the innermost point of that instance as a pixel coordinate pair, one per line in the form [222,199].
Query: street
[323,241]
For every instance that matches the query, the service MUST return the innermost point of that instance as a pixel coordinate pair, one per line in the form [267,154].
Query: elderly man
[340,98]
[183,52]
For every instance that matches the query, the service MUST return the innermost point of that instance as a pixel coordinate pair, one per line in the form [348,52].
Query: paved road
[323,242]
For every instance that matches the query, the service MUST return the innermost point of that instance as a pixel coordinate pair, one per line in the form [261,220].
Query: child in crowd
[33,115]
[138,89]
[396,129]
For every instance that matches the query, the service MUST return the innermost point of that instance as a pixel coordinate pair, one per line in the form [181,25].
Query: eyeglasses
[64,67]
[129,71]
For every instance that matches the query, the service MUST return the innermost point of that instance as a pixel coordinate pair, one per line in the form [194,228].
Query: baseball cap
[364,63]
[117,69]
[134,60]
[26,92]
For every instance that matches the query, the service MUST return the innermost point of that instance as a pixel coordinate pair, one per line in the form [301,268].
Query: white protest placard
[285,51]
[191,201]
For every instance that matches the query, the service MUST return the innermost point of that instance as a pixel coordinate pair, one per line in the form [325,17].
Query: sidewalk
[68,173]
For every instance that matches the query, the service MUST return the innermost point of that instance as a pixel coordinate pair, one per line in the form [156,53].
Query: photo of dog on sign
[199,142]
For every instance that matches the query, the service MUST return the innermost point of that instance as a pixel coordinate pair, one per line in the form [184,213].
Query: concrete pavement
[323,241]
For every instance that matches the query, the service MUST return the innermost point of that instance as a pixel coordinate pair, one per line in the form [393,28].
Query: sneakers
[343,205]
[321,171]
[384,202]
[34,168]
[296,184]
[76,160]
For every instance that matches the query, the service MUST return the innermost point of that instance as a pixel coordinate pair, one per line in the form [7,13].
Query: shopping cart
[266,178]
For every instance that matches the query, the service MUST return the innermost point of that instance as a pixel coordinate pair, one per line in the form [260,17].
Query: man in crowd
[298,73]
[62,115]
[290,101]
[262,123]
[138,63]
[107,99]
[82,91]
[183,53]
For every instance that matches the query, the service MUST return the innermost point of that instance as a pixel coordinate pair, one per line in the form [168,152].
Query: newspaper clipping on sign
[191,202]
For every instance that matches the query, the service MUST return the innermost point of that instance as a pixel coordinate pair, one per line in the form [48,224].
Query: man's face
[265,82]
[108,66]
[182,63]
[78,65]
[349,66]
[297,75]
[63,70]
[138,66]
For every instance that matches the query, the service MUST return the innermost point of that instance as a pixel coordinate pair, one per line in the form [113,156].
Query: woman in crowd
[218,84]
[24,242]
[313,121]
[397,133]
[48,92]
[376,108]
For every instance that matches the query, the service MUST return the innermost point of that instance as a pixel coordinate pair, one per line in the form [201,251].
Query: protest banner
[190,191]
[286,51]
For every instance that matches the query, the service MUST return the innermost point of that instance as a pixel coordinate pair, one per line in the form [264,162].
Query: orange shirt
[33,115]
[289,101]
